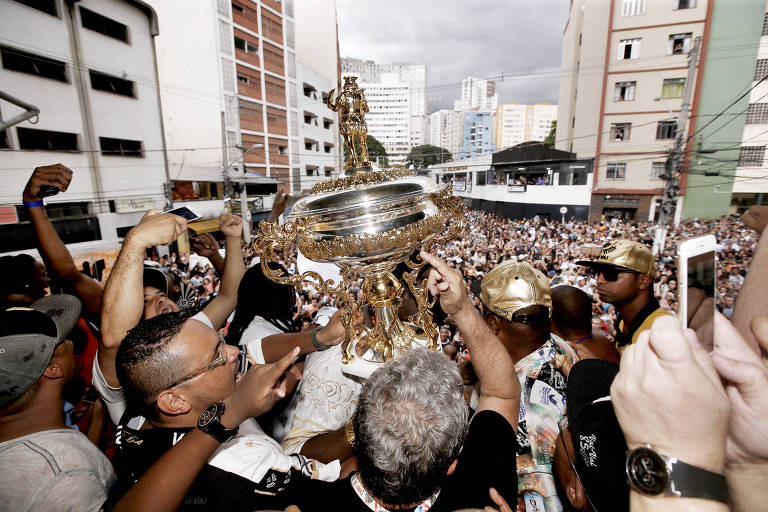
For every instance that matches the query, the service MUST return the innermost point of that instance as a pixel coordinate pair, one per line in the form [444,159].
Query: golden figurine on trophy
[351,106]
[368,221]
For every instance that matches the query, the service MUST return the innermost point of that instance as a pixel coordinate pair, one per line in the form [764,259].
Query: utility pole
[674,163]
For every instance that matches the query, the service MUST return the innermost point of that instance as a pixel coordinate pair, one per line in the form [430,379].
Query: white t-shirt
[257,330]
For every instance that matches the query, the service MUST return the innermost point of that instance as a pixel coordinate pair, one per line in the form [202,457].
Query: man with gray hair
[416,448]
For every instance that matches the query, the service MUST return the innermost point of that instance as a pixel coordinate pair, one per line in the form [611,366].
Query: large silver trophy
[368,221]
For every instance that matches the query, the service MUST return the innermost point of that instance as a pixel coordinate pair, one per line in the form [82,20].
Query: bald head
[571,310]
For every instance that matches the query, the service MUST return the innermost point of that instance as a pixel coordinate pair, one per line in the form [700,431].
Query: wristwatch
[210,423]
[653,474]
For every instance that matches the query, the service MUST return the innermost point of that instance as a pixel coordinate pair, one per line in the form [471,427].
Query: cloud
[460,38]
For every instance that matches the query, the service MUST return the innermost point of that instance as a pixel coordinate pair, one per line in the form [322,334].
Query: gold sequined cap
[512,286]
[625,254]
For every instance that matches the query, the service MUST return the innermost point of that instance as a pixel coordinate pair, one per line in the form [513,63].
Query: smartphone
[696,274]
[47,191]
[185,212]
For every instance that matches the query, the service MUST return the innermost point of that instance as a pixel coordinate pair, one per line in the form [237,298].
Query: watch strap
[213,426]
[689,481]
[319,346]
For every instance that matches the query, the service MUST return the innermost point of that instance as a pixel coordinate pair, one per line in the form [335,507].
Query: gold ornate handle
[452,209]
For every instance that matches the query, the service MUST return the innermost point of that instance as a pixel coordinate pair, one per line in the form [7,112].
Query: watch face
[647,471]
[208,415]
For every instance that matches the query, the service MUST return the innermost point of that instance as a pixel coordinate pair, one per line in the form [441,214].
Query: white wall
[315,130]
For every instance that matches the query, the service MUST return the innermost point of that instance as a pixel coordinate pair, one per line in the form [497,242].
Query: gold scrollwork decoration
[367,243]
[358,179]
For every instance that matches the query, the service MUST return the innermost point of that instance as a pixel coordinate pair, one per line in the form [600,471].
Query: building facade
[477,136]
[90,68]
[516,123]
[522,182]
[445,130]
[477,93]
[386,82]
[318,150]
[735,60]
[624,68]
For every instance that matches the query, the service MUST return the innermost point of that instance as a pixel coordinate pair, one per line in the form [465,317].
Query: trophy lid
[368,190]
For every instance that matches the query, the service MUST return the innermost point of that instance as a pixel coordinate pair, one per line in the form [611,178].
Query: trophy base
[366,360]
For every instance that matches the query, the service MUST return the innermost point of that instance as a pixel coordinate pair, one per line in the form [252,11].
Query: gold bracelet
[349,432]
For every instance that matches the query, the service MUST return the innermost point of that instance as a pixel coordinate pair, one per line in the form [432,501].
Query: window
[239,43]
[46,140]
[672,87]
[632,7]
[761,69]
[328,171]
[327,147]
[242,79]
[103,25]
[113,84]
[685,4]
[624,91]
[666,130]
[679,44]
[4,142]
[629,49]
[237,7]
[311,170]
[765,24]
[308,146]
[47,6]
[657,170]
[751,156]
[615,171]
[121,147]
[757,113]
[327,123]
[620,131]
[250,48]
[24,62]
[282,150]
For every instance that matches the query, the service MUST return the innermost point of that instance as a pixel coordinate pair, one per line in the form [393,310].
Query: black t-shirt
[214,488]
[487,460]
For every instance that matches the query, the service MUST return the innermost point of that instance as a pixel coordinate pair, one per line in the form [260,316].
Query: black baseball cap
[597,437]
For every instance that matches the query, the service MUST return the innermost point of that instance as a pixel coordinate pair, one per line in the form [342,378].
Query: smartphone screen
[700,296]
[184,213]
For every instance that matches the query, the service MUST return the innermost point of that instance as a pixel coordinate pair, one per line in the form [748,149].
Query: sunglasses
[218,360]
[610,274]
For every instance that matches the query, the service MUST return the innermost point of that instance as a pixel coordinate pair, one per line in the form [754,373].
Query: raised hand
[231,225]
[157,229]
[56,175]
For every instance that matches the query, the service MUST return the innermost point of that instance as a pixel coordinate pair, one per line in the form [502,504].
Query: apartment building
[318,151]
[477,135]
[477,93]
[89,67]
[445,130]
[381,77]
[516,123]
[624,66]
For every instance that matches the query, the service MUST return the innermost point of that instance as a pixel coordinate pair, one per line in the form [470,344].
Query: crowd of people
[563,380]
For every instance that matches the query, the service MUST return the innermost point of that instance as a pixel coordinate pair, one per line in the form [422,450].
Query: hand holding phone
[47,181]
[185,213]
[696,287]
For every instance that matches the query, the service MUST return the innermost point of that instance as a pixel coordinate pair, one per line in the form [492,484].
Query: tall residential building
[516,123]
[389,119]
[477,93]
[477,137]
[381,77]
[318,152]
[624,66]
[446,128]
[90,69]
[317,48]
[265,67]
[736,59]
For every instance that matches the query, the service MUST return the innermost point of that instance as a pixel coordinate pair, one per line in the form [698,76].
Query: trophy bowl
[368,221]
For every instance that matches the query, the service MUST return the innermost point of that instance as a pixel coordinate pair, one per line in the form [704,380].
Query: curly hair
[145,366]
[410,424]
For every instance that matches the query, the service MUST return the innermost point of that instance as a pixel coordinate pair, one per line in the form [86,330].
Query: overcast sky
[460,38]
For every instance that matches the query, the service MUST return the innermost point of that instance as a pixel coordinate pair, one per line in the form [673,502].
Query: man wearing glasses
[517,305]
[625,271]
